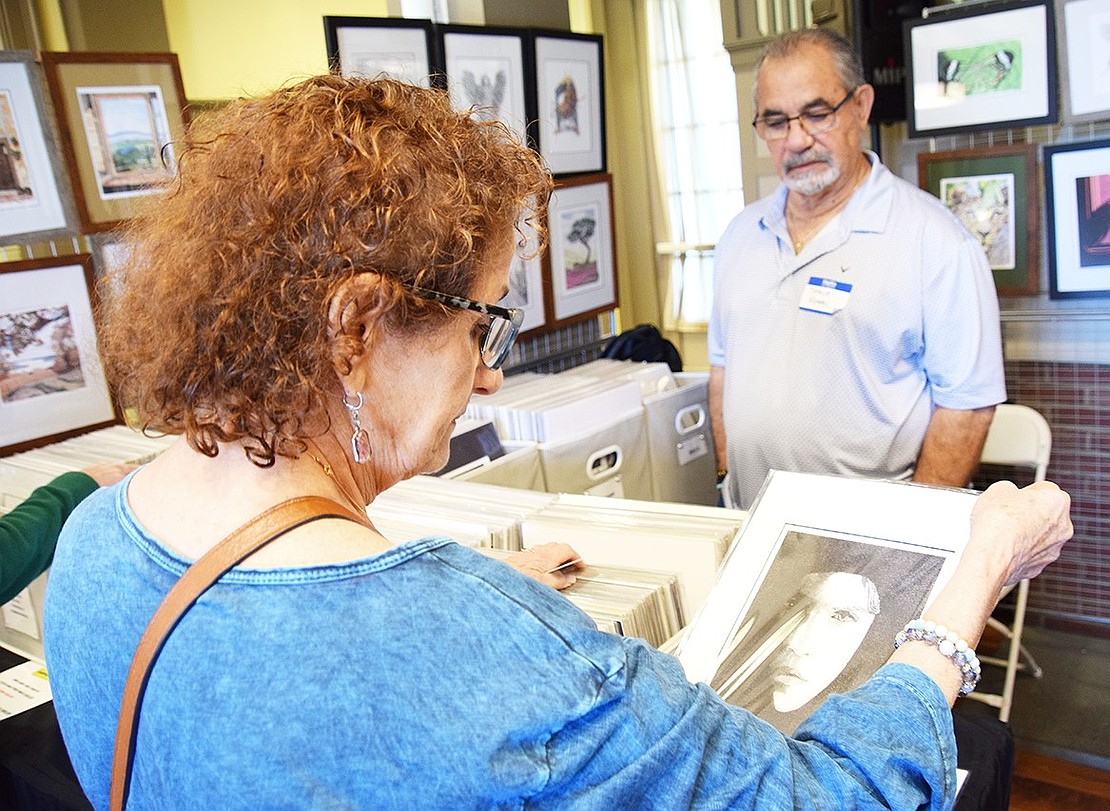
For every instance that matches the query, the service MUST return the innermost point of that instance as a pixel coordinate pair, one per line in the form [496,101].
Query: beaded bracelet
[949,644]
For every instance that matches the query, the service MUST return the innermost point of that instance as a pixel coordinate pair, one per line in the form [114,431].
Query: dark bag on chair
[644,343]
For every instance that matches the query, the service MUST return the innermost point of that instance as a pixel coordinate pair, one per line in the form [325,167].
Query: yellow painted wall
[245,47]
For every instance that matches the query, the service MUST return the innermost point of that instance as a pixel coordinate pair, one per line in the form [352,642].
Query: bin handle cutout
[689,419]
[604,463]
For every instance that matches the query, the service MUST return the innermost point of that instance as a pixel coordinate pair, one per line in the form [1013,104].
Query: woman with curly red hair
[310,307]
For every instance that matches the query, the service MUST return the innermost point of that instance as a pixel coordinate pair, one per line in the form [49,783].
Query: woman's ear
[353,314]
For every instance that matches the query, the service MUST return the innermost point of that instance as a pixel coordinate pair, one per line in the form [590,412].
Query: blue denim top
[430,676]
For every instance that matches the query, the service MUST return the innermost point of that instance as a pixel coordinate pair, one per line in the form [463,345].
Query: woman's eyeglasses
[815,121]
[500,332]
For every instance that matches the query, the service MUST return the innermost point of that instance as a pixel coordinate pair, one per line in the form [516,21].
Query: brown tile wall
[1073,593]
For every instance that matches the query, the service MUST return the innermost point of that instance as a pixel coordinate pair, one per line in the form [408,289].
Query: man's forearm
[717,415]
[953,443]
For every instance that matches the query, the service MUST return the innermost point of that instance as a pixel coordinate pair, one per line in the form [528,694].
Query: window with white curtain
[693,93]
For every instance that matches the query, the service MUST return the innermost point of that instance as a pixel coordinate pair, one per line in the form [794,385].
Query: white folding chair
[1019,437]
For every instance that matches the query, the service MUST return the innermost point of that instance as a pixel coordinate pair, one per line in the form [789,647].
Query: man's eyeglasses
[814,121]
[500,332]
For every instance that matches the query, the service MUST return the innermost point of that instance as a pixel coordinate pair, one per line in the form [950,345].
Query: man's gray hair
[848,65]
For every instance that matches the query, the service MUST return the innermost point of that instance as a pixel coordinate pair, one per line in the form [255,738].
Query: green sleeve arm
[29,533]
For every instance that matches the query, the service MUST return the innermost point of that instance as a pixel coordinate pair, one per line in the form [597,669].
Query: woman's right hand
[1020,530]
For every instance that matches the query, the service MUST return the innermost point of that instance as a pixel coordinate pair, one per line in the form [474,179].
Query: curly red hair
[217,326]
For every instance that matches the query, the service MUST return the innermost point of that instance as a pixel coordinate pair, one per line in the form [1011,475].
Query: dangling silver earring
[360,442]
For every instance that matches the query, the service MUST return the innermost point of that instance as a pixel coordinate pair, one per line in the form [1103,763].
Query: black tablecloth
[36,775]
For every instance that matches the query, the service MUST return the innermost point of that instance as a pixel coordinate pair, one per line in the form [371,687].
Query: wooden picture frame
[402,49]
[34,196]
[52,382]
[993,192]
[580,263]
[1077,201]
[567,82]
[484,71]
[972,68]
[119,116]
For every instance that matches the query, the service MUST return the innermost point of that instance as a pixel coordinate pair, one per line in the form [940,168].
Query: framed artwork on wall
[34,195]
[376,46]
[1077,195]
[484,69]
[119,117]
[993,192]
[581,259]
[1083,33]
[52,383]
[980,67]
[568,89]
[526,284]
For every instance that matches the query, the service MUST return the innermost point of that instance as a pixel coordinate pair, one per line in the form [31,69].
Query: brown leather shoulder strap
[256,533]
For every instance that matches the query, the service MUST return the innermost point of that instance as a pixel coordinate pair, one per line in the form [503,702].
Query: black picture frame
[566,77]
[373,46]
[483,69]
[978,68]
[1077,211]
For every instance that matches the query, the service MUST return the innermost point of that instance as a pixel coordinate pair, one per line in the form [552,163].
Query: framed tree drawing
[993,192]
[34,197]
[52,383]
[568,90]
[484,70]
[980,67]
[374,46]
[119,116]
[1077,194]
[581,259]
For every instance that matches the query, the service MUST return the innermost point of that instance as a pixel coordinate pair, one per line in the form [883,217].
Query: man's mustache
[809,156]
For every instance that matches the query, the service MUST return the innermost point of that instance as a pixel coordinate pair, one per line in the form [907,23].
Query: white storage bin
[609,458]
[680,442]
[519,467]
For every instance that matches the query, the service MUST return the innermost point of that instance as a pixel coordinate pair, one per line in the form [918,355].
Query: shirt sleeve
[29,533]
[661,742]
[963,332]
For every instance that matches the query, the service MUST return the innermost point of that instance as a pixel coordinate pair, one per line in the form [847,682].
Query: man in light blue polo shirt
[855,322]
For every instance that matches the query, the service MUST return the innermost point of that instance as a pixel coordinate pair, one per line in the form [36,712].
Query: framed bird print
[568,89]
[484,69]
[980,67]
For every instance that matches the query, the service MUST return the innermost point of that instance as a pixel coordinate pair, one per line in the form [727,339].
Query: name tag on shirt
[825,296]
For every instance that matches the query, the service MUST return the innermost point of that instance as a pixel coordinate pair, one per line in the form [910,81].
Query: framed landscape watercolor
[569,92]
[581,260]
[119,116]
[376,46]
[980,67]
[34,201]
[484,69]
[52,383]
[993,192]
[1077,194]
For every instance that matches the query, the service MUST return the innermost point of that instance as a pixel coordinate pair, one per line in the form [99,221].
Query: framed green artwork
[993,192]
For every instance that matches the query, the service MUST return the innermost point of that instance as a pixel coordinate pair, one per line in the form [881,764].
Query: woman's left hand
[553,564]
